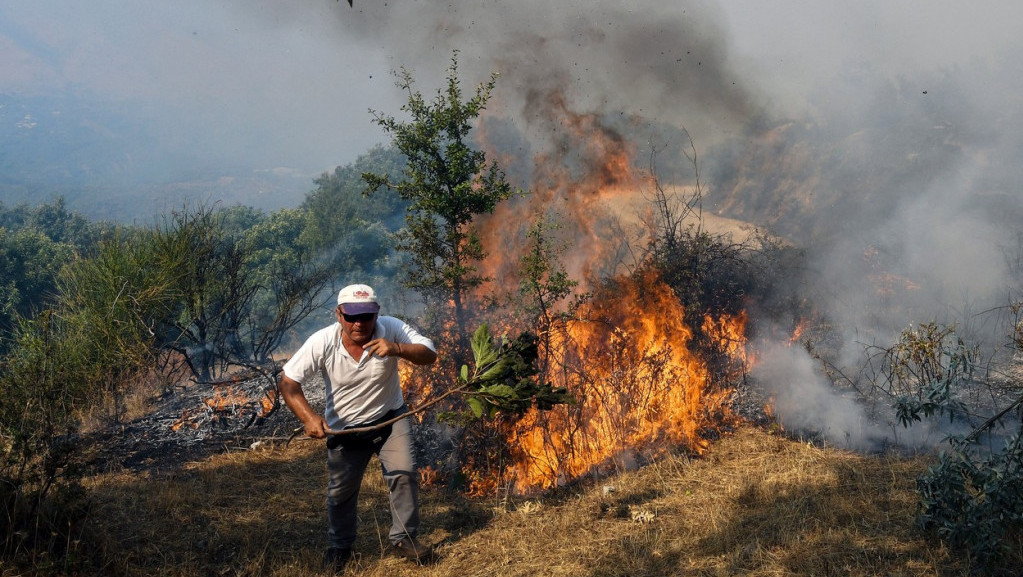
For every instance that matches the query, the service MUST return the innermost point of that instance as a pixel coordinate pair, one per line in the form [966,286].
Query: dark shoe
[335,559]
[413,550]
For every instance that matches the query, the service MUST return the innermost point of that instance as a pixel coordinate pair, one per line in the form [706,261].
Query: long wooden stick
[390,421]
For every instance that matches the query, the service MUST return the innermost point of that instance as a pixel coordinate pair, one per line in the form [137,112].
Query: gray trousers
[346,468]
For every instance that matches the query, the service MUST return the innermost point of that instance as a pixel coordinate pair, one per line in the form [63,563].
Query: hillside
[757,503]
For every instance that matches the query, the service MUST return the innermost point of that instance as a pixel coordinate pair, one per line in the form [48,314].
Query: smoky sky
[292,83]
[882,137]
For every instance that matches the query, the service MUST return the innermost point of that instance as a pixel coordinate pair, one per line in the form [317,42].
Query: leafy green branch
[503,379]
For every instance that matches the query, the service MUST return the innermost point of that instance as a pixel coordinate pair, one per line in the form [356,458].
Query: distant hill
[110,165]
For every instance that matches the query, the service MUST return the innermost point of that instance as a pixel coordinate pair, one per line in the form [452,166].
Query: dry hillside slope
[756,503]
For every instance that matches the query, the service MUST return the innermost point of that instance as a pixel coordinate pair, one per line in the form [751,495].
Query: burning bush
[638,386]
[625,356]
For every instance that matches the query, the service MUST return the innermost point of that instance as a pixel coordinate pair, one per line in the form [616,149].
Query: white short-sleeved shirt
[358,390]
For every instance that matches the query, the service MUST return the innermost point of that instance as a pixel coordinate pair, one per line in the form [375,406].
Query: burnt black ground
[182,428]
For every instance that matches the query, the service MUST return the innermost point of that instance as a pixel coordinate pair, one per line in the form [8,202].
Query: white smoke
[803,400]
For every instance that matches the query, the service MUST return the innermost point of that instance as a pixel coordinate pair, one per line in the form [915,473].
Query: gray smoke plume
[910,212]
[894,165]
[655,60]
[899,182]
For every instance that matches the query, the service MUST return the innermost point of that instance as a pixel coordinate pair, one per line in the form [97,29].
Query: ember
[198,419]
[234,402]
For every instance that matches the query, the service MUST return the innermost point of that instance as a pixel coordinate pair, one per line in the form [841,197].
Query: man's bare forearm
[295,399]
[417,354]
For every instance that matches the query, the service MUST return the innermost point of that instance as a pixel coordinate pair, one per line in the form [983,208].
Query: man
[358,359]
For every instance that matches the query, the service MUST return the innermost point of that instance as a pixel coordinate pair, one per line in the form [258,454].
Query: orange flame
[230,401]
[587,178]
[226,401]
[627,357]
[729,333]
[797,333]
[639,389]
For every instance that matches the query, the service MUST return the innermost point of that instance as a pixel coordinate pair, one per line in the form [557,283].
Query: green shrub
[40,457]
[62,362]
[972,496]
[973,500]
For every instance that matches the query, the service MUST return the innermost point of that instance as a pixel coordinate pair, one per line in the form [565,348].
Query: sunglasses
[363,318]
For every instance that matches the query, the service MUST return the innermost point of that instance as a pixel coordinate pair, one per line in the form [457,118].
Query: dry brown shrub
[134,396]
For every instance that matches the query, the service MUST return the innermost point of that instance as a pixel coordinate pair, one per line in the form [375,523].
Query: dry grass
[132,402]
[756,504]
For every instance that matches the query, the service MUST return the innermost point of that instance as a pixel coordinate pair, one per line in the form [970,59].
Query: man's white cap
[358,299]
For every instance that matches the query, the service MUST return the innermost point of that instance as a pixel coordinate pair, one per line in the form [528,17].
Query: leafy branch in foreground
[502,380]
[504,377]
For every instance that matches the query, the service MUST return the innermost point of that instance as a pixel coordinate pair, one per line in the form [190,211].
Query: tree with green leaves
[89,345]
[54,220]
[29,264]
[971,495]
[447,183]
[35,243]
[544,283]
[238,289]
[111,304]
[351,230]
[212,286]
[289,278]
